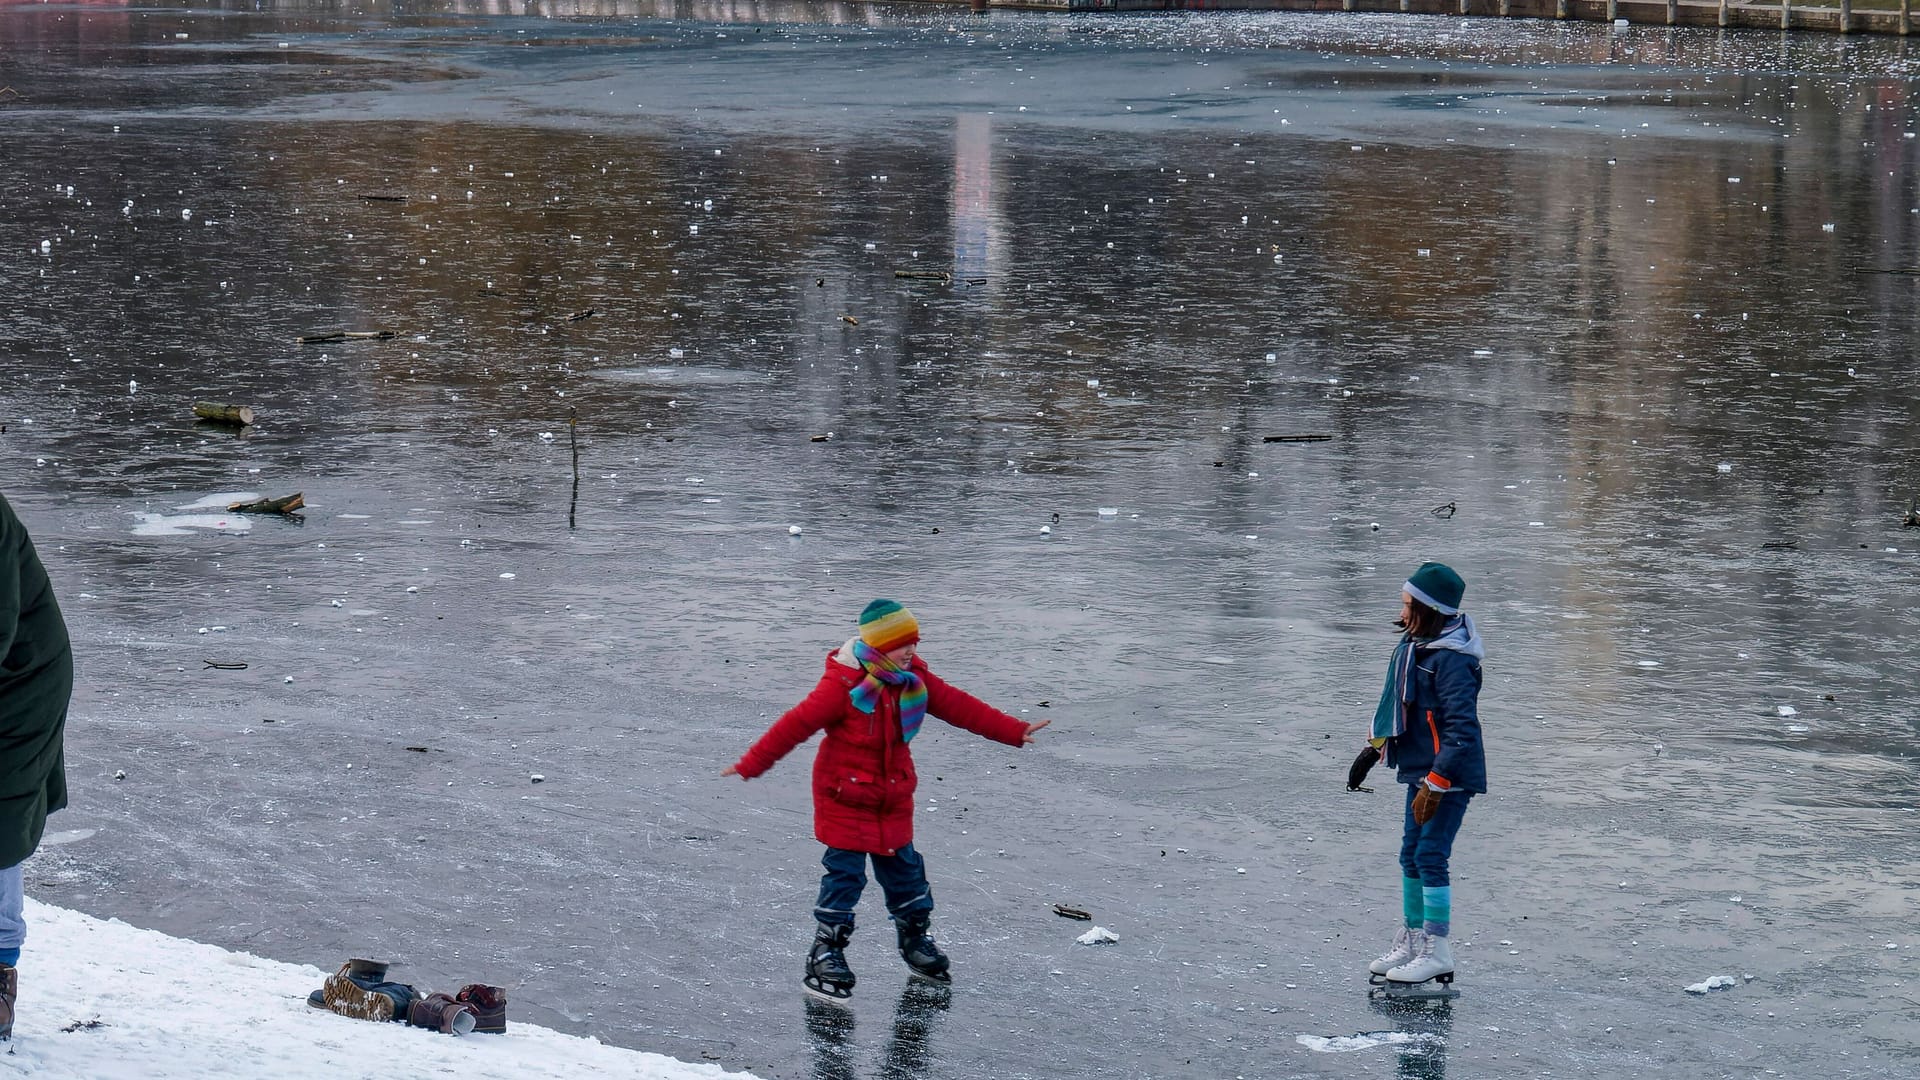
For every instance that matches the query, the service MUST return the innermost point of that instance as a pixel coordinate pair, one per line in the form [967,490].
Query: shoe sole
[348,998]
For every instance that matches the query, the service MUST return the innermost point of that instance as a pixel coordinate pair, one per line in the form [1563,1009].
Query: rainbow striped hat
[887,625]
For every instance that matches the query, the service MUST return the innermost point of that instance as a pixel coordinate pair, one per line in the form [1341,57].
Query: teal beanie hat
[1438,587]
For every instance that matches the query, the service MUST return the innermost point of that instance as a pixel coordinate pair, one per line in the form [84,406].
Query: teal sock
[1438,901]
[1413,903]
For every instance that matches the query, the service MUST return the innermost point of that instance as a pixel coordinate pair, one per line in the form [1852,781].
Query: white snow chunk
[1788,710]
[1646,663]
[1365,1040]
[793,530]
[1109,511]
[1099,935]
[1046,530]
[538,778]
[1724,467]
[1715,983]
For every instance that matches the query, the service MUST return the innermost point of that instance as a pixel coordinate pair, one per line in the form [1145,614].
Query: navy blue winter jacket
[1442,740]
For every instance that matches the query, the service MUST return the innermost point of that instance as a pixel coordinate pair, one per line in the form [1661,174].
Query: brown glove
[1425,802]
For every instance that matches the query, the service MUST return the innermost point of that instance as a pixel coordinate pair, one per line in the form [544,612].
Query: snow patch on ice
[1365,1040]
[229,1016]
[145,524]
[1717,982]
[1099,935]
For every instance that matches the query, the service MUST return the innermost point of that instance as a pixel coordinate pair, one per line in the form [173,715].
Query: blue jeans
[13,924]
[902,876]
[1424,849]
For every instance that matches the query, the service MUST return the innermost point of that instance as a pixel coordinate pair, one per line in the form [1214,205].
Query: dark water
[1506,267]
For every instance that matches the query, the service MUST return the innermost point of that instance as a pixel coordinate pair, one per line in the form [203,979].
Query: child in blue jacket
[1427,726]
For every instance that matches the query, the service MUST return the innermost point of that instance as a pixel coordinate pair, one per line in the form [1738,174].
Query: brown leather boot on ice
[441,1013]
[9,990]
[489,1005]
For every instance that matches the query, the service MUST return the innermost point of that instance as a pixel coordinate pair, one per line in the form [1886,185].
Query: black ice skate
[918,949]
[828,976]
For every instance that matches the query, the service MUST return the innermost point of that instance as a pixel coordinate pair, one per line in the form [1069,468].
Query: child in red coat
[870,702]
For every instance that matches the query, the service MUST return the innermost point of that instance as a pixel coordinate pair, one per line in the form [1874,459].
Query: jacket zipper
[1436,735]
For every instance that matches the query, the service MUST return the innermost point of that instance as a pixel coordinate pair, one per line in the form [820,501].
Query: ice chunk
[1788,710]
[1109,511]
[1099,935]
[793,530]
[1724,467]
[1715,983]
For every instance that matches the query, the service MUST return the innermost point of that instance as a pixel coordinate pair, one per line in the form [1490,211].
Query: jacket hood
[1459,636]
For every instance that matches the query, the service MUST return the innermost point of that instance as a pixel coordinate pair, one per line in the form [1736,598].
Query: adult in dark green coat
[36,681]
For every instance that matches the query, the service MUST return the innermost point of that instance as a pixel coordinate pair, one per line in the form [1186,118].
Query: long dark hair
[1426,622]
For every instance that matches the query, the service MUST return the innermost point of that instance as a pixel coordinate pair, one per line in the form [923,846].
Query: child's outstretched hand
[1032,730]
[732,770]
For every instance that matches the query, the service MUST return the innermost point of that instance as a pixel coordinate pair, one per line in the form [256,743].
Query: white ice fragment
[413,588]
[1788,710]
[1724,467]
[793,530]
[1734,899]
[1374,525]
[1828,227]
[186,215]
[537,778]
[1046,530]
[290,679]
[676,352]
[1893,945]
[546,436]
[1733,179]
[869,246]
[1099,935]
[1423,252]
[1715,983]
[509,576]
[1646,663]
[1095,383]
[1109,511]
[1239,869]
[46,246]
[119,774]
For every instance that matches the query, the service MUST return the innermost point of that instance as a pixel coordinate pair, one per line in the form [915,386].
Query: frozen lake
[1639,306]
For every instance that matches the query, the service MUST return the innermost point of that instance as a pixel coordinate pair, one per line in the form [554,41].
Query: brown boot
[441,1013]
[9,990]
[489,1005]
[348,998]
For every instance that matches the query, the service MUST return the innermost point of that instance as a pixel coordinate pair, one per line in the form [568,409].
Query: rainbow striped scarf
[882,673]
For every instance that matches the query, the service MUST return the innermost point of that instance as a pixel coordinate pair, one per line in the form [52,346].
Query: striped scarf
[882,673]
[1458,635]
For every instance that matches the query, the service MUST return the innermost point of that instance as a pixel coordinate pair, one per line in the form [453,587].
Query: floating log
[1295,438]
[820,438]
[924,275]
[237,665]
[376,196]
[237,415]
[1066,912]
[286,505]
[347,335]
[578,315]
[850,320]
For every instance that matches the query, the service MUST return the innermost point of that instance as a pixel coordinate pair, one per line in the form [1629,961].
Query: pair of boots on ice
[360,989]
[828,975]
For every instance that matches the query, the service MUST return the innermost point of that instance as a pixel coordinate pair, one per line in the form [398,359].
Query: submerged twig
[573,438]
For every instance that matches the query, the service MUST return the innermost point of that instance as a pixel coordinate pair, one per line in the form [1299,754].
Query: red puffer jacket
[863,778]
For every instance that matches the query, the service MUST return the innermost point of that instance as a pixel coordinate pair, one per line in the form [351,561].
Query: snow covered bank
[167,1007]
